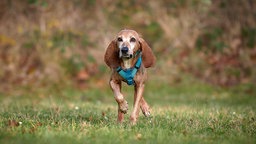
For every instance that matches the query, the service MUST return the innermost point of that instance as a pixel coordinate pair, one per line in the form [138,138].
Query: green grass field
[187,112]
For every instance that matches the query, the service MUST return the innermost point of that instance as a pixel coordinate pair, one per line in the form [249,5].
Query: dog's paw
[145,110]
[123,107]
[146,114]
[133,120]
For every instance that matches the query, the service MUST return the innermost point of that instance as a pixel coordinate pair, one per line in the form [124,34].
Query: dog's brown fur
[113,60]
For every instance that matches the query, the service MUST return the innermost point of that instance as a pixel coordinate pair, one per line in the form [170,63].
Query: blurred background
[53,45]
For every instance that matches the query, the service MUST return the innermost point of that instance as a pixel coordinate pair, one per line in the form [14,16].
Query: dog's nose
[124,50]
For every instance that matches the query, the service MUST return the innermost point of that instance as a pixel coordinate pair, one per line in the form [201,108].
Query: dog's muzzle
[125,52]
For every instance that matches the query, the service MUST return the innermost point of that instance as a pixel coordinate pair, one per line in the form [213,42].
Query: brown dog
[128,55]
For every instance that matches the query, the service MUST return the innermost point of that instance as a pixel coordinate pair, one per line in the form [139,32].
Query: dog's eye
[119,39]
[132,39]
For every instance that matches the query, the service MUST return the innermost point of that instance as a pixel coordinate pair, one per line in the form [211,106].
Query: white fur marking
[131,45]
[127,63]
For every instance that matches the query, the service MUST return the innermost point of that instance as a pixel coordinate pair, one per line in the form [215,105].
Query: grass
[187,112]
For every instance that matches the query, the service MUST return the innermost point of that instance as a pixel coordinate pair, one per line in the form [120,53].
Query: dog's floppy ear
[148,58]
[111,55]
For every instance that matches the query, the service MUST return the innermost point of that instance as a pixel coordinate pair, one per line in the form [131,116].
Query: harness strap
[128,74]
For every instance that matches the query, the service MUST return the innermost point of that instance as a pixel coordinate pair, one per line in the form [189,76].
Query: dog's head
[128,43]
[125,46]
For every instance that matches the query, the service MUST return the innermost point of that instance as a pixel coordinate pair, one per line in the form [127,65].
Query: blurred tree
[57,42]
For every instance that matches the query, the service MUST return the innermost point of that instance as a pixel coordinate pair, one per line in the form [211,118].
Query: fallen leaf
[13,123]
[90,118]
[138,136]
[103,114]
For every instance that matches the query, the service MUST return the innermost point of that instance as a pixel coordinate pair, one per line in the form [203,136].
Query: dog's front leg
[122,103]
[139,88]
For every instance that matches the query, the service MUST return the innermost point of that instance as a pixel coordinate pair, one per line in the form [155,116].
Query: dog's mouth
[126,56]
[125,53]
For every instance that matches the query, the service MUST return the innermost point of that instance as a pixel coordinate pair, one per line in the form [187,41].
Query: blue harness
[128,74]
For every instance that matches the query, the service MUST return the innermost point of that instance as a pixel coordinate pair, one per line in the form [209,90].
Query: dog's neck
[128,63]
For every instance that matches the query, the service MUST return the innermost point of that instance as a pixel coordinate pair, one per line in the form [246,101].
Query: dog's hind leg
[139,88]
[144,107]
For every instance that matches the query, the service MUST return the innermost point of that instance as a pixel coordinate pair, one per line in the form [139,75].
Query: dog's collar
[137,53]
[128,74]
